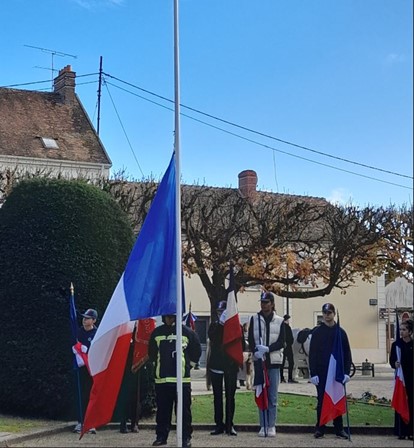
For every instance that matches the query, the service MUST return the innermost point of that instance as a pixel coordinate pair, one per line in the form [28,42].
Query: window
[49,143]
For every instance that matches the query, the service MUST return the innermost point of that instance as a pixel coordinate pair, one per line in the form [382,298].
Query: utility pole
[99,96]
[53,53]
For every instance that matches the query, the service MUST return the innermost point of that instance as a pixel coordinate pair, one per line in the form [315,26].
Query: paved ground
[58,434]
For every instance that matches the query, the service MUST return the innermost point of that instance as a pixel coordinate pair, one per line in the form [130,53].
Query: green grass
[292,409]
[17,424]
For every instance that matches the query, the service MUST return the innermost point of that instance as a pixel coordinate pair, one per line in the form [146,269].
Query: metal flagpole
[346,400]
[178,320]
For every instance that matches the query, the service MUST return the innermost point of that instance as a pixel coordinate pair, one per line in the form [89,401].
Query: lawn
[292,409]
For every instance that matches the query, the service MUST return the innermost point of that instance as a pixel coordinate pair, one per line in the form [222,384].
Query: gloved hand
[315,380]
[256,356]
[262,348]
[346,379]
[223,317]
[84,349]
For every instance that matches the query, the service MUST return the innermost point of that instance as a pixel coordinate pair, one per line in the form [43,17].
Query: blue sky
[335,77]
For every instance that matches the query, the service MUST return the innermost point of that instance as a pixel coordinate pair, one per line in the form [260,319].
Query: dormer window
[49,143]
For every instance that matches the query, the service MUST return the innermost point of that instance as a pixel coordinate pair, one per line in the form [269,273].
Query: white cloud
[340,196]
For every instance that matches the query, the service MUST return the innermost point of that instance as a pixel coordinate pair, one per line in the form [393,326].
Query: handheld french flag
[147,288]
[232,330]
[399,400]
[189,319]
[334,399]
[261,385]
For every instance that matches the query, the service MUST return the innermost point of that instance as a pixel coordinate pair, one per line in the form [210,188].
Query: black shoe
[342,435]
[282,380]
[318,434]
[134,428]
[159,442]
[187,443]
[123,429]
[217,431]
[293,381]
[232,432]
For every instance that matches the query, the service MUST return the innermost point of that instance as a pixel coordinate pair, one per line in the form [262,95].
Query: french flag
[189,319]
[261,385]
[334,399]
[147,288]
[399,400]
[232,330]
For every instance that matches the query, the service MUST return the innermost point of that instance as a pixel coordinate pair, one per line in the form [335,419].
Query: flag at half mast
[147,288]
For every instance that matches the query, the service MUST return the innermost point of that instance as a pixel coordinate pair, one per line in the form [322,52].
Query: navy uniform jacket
[320,350]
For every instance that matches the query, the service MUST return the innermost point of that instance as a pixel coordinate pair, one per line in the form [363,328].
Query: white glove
[256,356]
[84,349]
[223,317]
[262,348]
[315,380]
[346,379]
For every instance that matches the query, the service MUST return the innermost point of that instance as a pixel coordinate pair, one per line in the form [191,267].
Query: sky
[316,96]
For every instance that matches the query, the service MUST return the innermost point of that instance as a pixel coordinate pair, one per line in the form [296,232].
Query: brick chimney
[64,84]
[248,183]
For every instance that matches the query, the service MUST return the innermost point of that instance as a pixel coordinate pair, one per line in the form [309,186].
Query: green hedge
[53,232]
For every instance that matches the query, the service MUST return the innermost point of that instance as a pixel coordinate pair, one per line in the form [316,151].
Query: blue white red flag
[232,330]
[147,288]
[189,319]
[261,385]
[334,399]
[399,400]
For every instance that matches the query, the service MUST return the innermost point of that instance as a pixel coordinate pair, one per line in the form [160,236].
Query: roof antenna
[53,54]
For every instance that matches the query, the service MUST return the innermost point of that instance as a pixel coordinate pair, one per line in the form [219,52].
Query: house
[50,132]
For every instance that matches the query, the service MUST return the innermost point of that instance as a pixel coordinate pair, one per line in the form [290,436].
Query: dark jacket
[218,359]
[320,350]
[162,352]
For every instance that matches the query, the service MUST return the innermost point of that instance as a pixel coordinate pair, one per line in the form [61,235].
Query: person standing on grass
[267,340]
[222,368]
[320,351]
[405,343]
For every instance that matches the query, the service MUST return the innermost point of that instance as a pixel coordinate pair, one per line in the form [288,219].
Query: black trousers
[337,422]
[230,385]
[166,398]
[287,355]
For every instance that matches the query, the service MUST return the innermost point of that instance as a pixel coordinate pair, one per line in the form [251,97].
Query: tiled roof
[27,116]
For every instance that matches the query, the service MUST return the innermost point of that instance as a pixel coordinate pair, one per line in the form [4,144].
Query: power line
[258,143]
[261,133]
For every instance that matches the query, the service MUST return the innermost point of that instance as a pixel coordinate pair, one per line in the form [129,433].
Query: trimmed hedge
[53,232]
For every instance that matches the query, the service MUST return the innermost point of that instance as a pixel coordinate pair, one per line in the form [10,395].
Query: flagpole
[78,386]
[346,400]
[178,320]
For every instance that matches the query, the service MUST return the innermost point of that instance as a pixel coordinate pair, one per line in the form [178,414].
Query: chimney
[64,84]
[248,183]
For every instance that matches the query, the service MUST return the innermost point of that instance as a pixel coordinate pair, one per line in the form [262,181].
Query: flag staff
[74,335]
[346,400]
[178,323]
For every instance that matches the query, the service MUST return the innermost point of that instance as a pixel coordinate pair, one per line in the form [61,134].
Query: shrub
[53,232]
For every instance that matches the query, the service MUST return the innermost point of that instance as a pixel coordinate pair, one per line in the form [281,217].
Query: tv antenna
[53,53]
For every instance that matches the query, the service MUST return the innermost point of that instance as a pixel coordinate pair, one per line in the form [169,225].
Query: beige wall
[365,330]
